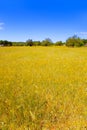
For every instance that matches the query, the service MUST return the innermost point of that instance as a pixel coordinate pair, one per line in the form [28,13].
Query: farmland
[43,88]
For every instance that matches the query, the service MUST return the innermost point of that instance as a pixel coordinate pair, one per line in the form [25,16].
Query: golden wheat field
[43,88]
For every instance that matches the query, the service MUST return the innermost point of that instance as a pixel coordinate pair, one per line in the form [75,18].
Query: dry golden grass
[43,88]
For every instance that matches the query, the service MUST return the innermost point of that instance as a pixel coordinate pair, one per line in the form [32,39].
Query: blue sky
[39,19]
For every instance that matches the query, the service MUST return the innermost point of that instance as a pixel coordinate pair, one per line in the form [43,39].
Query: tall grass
[43,88]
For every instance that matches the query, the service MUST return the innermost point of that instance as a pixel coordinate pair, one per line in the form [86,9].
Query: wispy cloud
[1,26]
[81,33]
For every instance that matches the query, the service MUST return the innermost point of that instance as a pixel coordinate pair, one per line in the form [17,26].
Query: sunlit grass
[43,88]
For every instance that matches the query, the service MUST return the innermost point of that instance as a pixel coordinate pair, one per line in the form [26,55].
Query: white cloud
[1,24]
[1,28]
[81,33]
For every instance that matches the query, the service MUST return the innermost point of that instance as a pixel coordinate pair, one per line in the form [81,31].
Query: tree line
[73,41]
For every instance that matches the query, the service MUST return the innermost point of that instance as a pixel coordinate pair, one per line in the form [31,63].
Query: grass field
[43,88]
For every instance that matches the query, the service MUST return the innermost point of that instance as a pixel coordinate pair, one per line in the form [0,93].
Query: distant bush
[70,42]
[85,42]
[36,43]
[46,42]
[29,42]
[74,42]
[18,43]
[59,43]
[5,43]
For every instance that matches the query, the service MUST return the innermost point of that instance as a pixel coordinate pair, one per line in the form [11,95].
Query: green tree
[29,42]
[58,43]
[5,43]
[84,41]
[74,42]
[47,42]
[36,43]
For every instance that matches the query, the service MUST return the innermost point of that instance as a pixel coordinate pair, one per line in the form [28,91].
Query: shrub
[74,42]
[58,43]
[5,43]
[29,42]
[36,43]
[46,42]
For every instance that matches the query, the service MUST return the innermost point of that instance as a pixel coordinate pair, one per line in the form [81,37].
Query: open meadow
[43,88]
